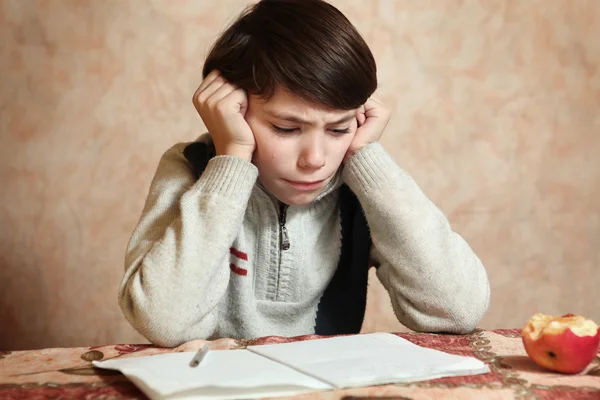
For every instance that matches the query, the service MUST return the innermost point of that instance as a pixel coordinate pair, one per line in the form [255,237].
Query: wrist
[350,153]
[241,151]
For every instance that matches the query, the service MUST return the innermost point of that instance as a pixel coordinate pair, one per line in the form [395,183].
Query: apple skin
[563,352]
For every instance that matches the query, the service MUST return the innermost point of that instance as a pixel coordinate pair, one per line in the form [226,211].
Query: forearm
[435,281]
[175,265]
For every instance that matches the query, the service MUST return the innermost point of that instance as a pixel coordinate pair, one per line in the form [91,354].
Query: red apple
[564,344]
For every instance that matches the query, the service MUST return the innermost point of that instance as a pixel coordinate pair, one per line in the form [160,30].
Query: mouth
[305,186]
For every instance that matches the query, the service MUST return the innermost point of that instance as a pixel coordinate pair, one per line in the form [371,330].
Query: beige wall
[496,113]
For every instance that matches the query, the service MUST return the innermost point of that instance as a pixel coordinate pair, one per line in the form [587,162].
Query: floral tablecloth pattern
[68,373]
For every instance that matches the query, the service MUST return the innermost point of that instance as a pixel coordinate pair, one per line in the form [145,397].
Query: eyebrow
[299,120]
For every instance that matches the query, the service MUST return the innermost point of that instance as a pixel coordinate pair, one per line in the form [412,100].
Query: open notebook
[288,369]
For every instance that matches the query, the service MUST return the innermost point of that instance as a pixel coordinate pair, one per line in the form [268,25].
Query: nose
[312,154]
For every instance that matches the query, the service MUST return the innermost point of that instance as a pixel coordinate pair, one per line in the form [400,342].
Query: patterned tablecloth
[68,373]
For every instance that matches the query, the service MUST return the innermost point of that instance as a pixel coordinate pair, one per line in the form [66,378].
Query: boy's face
[299,145]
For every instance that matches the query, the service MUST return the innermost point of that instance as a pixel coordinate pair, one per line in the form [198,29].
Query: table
[68,372]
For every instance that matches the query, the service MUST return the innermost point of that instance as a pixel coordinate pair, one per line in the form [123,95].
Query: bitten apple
[564,344]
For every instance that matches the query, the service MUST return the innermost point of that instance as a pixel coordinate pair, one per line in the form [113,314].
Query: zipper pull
[285,241]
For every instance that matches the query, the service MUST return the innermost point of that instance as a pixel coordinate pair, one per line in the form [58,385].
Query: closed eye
[279,129]
[341,131]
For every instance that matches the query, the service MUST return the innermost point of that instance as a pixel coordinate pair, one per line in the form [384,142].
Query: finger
[239,97]
[204,96]
[360,115]
[214,74]
[375,109]
[212,82]
[369,105]
[221,93]
[362,119]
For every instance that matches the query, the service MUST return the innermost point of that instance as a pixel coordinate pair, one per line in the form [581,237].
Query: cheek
[346,140]
[342,144]
[262,134]
[271,153]
[267,145]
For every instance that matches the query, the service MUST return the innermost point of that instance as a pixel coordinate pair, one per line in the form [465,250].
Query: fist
[222,107]
[372,119]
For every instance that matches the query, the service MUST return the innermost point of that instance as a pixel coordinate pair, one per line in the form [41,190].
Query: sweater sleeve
[175,270]
[435,281]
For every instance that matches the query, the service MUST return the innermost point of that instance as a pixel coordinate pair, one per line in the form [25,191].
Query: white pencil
[199,356]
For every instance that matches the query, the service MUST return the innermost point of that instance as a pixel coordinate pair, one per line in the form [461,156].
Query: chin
[293,197]
[300,200]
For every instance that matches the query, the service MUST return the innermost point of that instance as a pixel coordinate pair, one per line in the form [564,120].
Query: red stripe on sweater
[238,270]
[239,254]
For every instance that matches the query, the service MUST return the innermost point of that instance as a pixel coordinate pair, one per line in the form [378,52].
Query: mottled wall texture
[496,113]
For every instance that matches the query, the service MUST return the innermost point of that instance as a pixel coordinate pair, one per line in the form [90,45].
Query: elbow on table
[464,322]
[465,317]
[460,323]
[159,328]
[455,317]
[159,336]
[464,307]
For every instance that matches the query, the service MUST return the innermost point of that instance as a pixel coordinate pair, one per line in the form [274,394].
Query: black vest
[341,309]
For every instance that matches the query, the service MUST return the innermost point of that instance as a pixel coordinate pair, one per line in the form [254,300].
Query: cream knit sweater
[206,258]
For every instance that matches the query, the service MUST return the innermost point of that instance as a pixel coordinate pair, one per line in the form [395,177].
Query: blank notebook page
[369,359]
[221,375]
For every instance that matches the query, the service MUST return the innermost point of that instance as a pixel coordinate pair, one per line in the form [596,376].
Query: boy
[267,225]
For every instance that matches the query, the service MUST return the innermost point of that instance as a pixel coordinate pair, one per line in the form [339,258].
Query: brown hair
[308,47]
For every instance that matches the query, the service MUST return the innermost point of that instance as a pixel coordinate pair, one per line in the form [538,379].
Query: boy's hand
[372,119]
[222,106]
